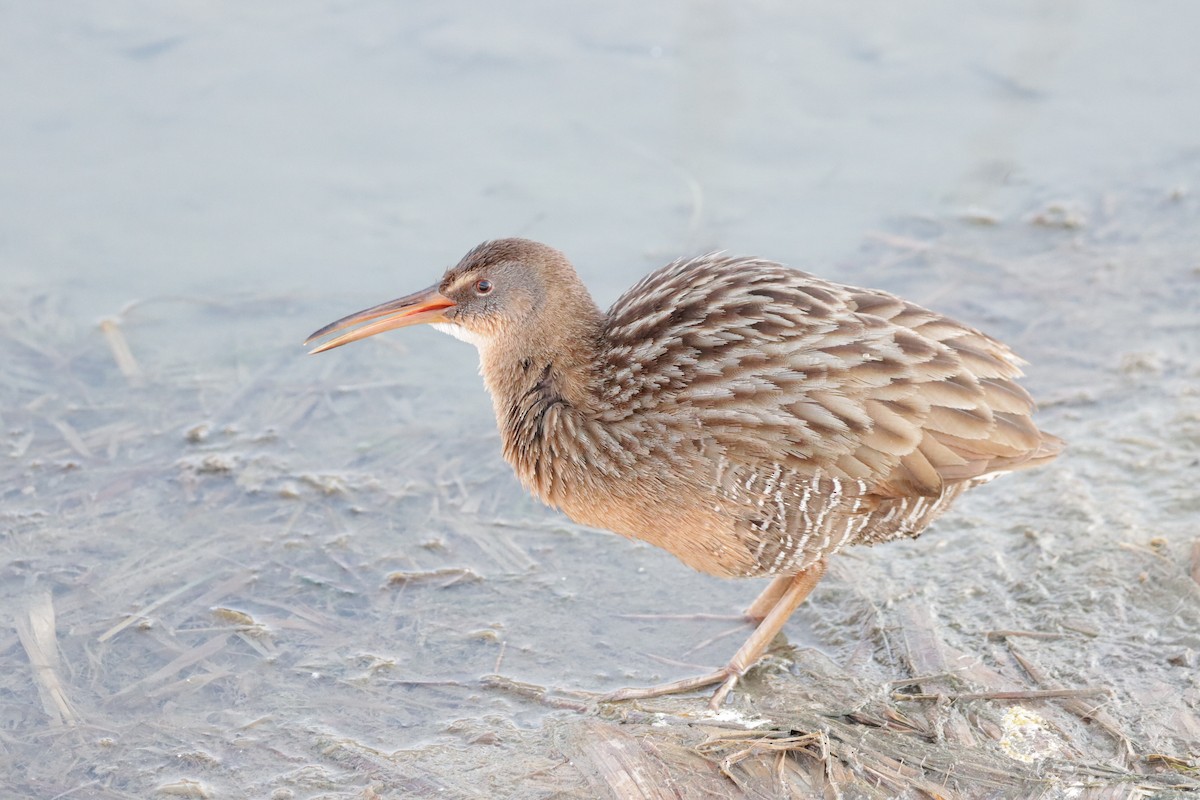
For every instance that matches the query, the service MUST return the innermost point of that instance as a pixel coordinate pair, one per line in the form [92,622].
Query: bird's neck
[554,354]
[542,387]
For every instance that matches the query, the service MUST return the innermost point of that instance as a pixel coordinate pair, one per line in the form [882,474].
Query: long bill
[425,306]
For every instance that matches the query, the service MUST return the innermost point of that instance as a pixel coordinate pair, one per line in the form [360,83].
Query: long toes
[723,690]
[675,687]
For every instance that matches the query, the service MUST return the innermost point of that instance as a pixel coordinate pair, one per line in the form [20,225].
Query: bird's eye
[483,286]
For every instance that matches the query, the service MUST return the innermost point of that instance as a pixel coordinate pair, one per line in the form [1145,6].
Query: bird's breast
[695,528]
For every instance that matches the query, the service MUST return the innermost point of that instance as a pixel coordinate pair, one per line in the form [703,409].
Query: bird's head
[504,289]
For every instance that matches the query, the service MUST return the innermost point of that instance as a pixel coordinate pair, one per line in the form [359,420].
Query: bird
[749,418]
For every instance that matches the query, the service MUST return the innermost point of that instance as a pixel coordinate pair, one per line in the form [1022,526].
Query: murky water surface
[227,569]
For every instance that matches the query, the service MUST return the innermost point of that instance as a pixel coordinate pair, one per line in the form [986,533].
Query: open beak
[425,306]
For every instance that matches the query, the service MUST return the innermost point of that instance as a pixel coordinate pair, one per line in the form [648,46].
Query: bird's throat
[460,333]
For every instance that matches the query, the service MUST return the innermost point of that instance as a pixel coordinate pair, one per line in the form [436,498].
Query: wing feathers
[774,363]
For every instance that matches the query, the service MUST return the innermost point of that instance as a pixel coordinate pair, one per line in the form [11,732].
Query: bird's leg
[796,588]
[762,605]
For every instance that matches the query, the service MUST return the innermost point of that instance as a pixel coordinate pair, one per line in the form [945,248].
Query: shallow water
[232,570]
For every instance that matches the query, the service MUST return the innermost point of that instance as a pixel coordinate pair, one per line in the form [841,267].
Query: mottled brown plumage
[749,418]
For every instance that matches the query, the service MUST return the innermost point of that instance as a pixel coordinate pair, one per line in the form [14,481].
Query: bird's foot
[774,606]
[727,678]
